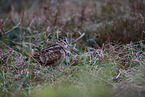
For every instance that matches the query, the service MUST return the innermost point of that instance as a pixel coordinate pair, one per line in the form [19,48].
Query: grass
[110,62]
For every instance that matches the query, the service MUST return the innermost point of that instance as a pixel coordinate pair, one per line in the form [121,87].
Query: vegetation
[109,36]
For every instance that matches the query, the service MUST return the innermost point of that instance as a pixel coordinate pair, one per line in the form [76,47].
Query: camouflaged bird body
[53,55]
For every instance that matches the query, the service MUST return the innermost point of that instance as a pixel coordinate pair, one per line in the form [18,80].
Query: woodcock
[52,55]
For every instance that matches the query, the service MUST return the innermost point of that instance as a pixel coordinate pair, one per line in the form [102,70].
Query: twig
[79,38]
[9,56]
[32,58]
[13,28]
[32,22]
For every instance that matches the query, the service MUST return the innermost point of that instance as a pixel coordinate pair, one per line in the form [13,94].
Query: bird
[50,56]
[55,53]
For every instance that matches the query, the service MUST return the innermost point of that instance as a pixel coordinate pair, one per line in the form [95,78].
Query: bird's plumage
[52,55]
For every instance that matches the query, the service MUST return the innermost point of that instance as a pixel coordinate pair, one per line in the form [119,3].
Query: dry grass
[110,62]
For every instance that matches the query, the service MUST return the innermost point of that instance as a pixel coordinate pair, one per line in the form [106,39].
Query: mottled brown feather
[52,55]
